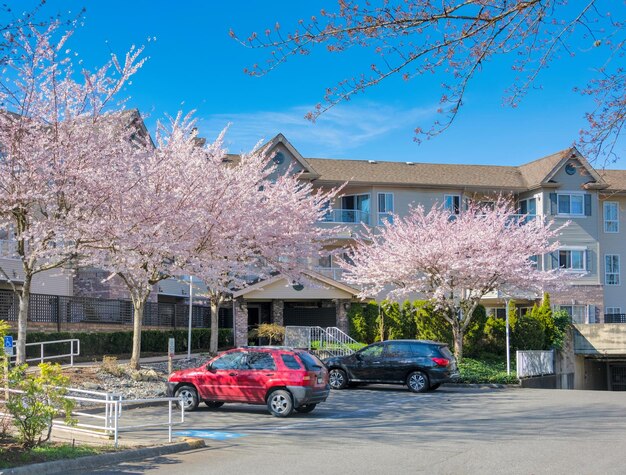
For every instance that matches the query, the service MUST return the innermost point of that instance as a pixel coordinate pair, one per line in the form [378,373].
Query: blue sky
[194,64]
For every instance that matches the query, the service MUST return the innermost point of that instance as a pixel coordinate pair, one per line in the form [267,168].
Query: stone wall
[240,320]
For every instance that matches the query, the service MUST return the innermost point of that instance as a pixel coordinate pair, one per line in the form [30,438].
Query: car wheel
[337,378]
[279,403]
[306,408]
[434,386]
[417,382]
[213,404]
[188,398]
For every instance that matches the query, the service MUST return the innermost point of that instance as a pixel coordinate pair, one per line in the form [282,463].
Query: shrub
[430,325]
[272,331]
[494,336]
[111,366]
[42,398]
[562,323]
[362,322]
[528,333]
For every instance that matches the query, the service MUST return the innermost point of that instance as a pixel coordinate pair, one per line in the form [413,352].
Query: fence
[534,363]
[615,318]
[61,310]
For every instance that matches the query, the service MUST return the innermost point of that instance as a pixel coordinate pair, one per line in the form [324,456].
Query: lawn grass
[14,455]
[486,371]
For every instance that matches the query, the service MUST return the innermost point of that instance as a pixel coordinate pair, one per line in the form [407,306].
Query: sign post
[8,352]
[171,346]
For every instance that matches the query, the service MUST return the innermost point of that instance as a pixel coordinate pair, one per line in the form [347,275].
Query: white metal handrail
[74,350]
[346,216]
[331,340]
[112,404]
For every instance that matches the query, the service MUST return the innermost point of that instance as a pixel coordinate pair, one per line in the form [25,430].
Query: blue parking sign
[8,345]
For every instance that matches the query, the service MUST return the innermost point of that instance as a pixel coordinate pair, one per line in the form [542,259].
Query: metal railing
[615,318]
[334,273]
[346,216]
[534,363]
[74,345]
[110,416]
[325,342]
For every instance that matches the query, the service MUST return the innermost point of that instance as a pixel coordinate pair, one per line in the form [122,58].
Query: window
[311,362]
[290,361]
[398,350]
[229,361]
[577,312]
[613,311]
[611,217]
[534,261]
[571,204]
[452,203]
[385,208]
[261,360]
[421,349]
[570,259]
[611,269]
[371,352]
[528,206]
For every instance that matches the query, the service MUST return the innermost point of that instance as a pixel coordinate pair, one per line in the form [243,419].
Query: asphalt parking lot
[380,429]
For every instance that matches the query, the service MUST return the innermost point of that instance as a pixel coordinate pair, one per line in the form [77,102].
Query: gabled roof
[314,276]
[309,172]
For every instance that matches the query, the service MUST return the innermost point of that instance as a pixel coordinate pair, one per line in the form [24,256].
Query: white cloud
[342,129]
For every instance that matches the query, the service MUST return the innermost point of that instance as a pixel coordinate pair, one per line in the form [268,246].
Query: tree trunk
[214,327]
[139,303]
[22,318]
[457,334]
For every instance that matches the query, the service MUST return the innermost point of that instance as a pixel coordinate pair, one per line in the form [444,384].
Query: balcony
[615,318]
[352,216]
[334,273]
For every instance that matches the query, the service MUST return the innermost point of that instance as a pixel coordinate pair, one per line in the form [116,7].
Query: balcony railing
[334,273]
[8,248]
[346,216]
[615,318]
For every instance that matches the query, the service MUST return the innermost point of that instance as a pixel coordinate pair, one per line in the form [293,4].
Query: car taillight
[441,361]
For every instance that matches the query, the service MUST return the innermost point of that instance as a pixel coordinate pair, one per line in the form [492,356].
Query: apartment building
[562,186]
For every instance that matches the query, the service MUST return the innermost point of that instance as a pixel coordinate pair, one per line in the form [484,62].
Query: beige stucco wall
[52,282]
[600,339]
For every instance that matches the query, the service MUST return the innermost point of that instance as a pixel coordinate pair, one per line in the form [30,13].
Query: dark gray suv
[422,365]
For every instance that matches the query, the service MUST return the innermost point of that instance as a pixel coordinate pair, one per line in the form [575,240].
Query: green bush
[486,370]
[528,333]
[430,324]
[494,341]
[120,342]
[42,398]
[362,322]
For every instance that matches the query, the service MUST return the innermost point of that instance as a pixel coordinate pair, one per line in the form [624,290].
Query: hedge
[118,343]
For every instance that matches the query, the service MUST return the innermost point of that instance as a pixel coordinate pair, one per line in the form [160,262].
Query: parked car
[284,379]
[422,365]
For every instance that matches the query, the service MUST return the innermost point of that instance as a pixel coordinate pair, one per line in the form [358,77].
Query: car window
[311,363]
[446,353]
[229,361]
[372,351]
[290,362]
[260,360]
[398,350]
[422,349]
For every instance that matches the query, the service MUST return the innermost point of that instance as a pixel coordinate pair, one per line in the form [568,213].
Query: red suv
[282,378]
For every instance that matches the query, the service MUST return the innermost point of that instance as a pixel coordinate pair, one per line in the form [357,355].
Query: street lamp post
[190,317]
[508,348]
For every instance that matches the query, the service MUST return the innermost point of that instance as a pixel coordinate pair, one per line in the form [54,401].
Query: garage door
[310,316]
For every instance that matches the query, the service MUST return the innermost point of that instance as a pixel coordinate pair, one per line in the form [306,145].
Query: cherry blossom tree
[456,38]
[266,224]
[57,129]
[454,260]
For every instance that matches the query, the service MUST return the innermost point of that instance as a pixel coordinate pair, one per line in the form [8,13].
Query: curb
[483,385]
[97,461]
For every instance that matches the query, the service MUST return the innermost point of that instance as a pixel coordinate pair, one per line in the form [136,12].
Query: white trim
[460,197]
[387,213]
[584,251]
